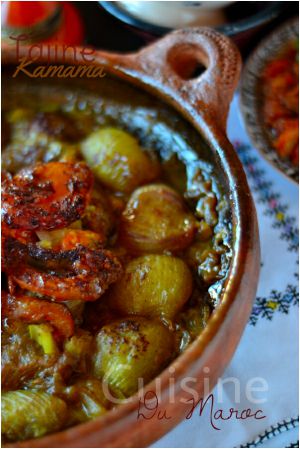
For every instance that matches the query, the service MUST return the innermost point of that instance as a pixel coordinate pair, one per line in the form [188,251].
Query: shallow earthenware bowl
[165,69]
[250,98]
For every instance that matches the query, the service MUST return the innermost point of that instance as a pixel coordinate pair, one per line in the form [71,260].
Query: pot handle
[172,62]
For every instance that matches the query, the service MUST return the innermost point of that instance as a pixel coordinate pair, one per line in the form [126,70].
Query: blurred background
[124,26]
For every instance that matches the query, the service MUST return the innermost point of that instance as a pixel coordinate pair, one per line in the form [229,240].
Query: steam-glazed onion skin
[156,219]
[117,160]
[152,286]
[88,400]
[31,414]
[131,349]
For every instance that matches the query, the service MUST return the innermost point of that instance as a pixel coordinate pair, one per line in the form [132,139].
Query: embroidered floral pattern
[265,307]
[265,195]
[276,302]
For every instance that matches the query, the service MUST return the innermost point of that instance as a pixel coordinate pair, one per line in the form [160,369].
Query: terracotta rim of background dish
[164,69]
[250,101]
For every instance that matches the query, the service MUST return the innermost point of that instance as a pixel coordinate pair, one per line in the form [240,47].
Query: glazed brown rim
[204,103]
[250,104]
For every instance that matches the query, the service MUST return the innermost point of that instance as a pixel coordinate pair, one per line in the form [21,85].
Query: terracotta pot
[164,69]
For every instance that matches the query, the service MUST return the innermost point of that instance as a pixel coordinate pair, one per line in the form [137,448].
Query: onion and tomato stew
[116,244]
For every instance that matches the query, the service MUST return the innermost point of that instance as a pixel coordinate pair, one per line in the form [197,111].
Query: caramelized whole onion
[46,196]
[152,286]
[129,351]
[81,273]
[31,414]
[156,219]
[117,159]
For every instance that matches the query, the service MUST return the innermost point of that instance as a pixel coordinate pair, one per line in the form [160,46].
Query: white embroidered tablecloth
[269,346]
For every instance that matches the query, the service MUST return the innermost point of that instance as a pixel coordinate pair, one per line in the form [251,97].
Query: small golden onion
[88,400]
[155,220]
[117,159]
[130,352]
[152,286]
[31,414]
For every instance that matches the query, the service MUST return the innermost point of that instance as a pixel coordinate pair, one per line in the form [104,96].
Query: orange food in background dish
[281,102]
